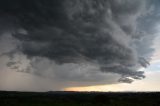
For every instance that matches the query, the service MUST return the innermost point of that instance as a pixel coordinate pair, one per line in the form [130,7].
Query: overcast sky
[84,45]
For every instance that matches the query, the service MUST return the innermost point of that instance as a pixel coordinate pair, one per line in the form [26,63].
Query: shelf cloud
[100,41]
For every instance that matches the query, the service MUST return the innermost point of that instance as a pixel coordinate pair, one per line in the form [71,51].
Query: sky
[79,45]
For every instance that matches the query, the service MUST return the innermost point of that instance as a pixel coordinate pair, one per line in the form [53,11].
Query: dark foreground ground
[79,99]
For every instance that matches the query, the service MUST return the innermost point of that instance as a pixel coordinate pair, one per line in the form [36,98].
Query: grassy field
[79,99]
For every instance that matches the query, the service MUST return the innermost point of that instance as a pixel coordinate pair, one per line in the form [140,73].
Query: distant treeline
[60,98]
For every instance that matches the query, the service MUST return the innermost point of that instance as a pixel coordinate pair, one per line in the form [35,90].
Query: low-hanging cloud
[102,34]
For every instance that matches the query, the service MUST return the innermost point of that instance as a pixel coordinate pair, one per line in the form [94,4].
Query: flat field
[79,99]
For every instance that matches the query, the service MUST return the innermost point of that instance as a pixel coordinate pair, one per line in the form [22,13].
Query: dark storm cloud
[125,71]
[102,32]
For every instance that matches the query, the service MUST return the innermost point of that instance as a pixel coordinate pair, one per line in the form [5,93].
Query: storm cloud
[79,40]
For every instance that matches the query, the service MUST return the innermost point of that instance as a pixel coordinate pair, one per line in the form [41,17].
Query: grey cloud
[127,80]
[73,74]
[100,32]
[9,64]
[125,72]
